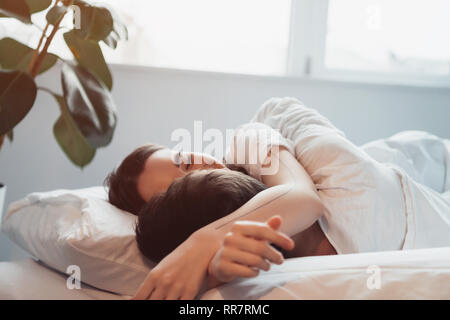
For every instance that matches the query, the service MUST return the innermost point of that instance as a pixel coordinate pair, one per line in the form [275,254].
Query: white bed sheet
[30,280]
[412,274]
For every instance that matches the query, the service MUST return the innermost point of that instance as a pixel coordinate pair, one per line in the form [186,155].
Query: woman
[325,187]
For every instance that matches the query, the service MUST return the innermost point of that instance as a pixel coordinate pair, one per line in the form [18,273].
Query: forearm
[291,194]
[298,208]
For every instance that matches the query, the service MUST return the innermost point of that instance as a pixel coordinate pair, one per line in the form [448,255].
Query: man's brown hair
[191,202]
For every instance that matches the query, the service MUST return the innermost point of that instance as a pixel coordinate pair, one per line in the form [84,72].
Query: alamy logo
[77,15]
[246,146]
[74,280]
[76,11]
[374,18]
[374,280]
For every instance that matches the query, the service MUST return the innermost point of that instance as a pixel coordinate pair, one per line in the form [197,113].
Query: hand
[246,249]
[181,274]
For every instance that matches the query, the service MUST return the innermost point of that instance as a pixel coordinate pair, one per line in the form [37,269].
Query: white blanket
[31,280]
[369,205]
[410,274]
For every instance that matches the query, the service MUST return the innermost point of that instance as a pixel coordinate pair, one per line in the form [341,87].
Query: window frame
[307,45]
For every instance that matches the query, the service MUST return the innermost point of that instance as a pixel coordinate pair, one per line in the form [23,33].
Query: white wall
[153,102]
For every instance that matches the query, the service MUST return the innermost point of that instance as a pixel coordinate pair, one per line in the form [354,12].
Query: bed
[80,227]
[31,280]
[413,274]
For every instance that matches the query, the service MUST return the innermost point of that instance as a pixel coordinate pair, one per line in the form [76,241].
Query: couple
[207,222]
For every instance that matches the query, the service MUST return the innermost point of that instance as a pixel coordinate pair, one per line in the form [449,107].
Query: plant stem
[46,90]
[39,59]
[36,52]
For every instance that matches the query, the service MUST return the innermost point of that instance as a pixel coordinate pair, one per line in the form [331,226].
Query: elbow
[318,207]
[309,201]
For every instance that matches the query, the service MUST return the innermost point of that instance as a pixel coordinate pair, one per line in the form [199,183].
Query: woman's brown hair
[122,182]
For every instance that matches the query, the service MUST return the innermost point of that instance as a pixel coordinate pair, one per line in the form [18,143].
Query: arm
[317,143]
[291,194]
[246,246]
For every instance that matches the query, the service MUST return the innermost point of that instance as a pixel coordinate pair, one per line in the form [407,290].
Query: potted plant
[2,197]
[88,117]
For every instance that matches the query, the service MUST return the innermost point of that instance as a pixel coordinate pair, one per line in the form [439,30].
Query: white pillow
[80,227]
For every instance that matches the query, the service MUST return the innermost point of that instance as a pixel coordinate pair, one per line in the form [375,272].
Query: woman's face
[165,165]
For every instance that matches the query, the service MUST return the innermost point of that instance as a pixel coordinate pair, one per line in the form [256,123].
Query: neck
[311,242]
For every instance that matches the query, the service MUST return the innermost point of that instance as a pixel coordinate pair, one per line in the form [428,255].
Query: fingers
[263,231]
[189,294]
[145,289]
[257,247]
[159,293]
[274,222]
[239,270]
[175,292]
[246,258]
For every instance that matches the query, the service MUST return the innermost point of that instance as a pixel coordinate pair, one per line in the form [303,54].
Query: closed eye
[179,162]
[188,165]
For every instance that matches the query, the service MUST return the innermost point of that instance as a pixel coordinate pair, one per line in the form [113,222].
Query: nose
[202,160]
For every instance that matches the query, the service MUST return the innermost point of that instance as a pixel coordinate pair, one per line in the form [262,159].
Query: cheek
[143,190]
[163,183]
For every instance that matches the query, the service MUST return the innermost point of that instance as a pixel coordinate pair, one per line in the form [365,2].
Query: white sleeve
[293,119]
[321,148]
[250,148]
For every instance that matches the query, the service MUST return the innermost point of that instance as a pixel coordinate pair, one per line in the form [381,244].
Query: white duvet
[403,204]
[370,204]
[410,274]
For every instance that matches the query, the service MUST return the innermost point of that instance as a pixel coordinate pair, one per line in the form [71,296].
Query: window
[385,40]
[382,40]
[250,36]
[390,36]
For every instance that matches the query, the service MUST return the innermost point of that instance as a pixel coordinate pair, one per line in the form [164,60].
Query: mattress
[31,280]
[411,274]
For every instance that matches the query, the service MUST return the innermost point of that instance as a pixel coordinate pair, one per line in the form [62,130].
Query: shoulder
[275,105]
[251,145]
[259,135]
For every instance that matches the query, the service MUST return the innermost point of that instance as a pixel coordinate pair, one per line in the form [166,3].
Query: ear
[274,222]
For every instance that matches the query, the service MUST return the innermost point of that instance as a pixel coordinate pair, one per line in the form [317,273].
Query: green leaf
[55,13]
[15,9]
[10,138]
[96,22]
[38,5]
[89,55]
[10,135]
[17,95]
[70,138]
[90,104]
[2,139]
[16,56]
[111,40]
[121,30]
[118,27]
